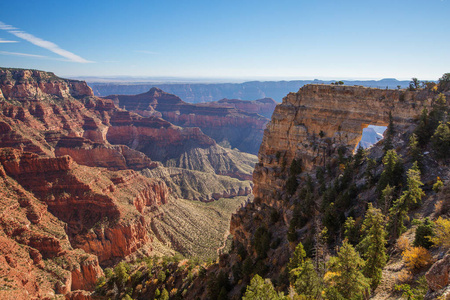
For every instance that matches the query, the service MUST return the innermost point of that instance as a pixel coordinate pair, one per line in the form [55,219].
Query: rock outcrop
[101,197]
[438,275]
[36,256]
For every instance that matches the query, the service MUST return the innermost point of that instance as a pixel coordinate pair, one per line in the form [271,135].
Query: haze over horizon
[232,40]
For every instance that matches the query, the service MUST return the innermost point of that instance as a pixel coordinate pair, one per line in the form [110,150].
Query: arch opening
[371,135]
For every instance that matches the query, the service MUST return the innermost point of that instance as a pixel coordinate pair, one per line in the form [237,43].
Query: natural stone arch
[339,112]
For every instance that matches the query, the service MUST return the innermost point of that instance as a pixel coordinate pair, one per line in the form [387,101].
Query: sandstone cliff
[36,256]
[320,126]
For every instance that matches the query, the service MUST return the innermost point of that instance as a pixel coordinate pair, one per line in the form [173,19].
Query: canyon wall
[235,121]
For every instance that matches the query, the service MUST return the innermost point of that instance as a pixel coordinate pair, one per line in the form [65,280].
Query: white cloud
[43,44]
[22,54]
[31,55]
[2,41]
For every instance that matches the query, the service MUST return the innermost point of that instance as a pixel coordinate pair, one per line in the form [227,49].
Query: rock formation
[234,121]
[35,254]
[79,181]
[307,124]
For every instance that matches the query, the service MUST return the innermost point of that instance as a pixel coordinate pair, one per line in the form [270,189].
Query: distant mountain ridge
[231,121]
[207,92]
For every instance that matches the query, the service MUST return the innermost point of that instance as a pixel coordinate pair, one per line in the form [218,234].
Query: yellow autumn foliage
[416,257]
[441,233]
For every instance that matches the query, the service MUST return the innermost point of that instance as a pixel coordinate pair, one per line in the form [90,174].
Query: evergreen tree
[393,171]
[296,262]
[441,140]
[390,131]
[345,274]
[260,289]
[351,231]
[308,283]
[423,232]
[121,273]
[414,149]
[386,198]
[423,129]
[359,157]
[410,197]
[439,112]
[164,295]
[373,245]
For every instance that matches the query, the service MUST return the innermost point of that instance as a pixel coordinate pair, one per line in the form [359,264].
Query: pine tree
[308,283]
[260,289]
[121,273]
[410,197]
[345,274]
[441,140]
[393,171]
[390,131]
[164,295]
[296,262]
[351,231]
[386,198]
[423,232]
[373,245]
[423,129]
[414,149]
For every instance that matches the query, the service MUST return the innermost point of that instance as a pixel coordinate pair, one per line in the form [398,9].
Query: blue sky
[229,39]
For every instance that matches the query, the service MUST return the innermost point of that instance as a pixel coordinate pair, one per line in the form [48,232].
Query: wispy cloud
[145,52]
[43,43]
[2,41]
[22,54]
[31,55]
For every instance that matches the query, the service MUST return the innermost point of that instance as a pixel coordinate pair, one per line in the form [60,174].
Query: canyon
[88,182]
[238,123]
[62,148]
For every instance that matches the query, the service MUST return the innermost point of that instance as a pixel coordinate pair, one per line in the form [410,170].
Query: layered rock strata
[233,121]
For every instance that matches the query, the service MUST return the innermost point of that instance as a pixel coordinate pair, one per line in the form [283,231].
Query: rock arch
[317,116]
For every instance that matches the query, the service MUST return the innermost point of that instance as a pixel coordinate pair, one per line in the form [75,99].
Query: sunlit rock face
[308,124]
